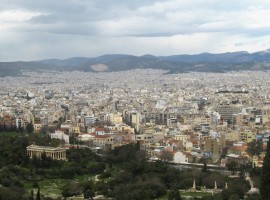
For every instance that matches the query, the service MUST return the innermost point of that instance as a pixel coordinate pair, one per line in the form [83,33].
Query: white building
[180,157]
[60,135]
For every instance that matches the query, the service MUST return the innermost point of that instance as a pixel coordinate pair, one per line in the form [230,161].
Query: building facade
[56,153]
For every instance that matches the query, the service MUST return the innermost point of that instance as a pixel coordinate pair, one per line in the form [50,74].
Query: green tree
[32,195]
[11,194]
[35,184]
[71,189]
[234,197]
[20,129]
[38,195]
[255,147]
[88,190]
[255,196]
[210,179]
[205,169]
[232,166]
[29,128]
[88,194]
[265,178]
[55,142]
[174,195]
[166,156]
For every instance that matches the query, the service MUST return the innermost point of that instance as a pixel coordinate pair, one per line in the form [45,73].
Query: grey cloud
[105,24]
[92,17]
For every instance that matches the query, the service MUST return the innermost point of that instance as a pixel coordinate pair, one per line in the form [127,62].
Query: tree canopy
[255,147]
[265,179]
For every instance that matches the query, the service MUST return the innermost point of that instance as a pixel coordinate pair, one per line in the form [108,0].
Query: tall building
[89,120]
[21,122]
[227,111]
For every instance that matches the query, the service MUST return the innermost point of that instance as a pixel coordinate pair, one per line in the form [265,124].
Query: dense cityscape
[192,120]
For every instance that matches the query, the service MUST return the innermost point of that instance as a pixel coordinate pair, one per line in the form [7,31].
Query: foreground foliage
[265,180]
[122,173]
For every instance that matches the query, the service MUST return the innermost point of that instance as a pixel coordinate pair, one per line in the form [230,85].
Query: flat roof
[44,148]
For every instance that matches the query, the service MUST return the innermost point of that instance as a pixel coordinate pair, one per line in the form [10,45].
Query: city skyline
[34,30]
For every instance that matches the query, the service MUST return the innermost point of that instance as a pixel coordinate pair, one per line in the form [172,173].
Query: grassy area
[53,187]
[11,134]
[164,197]
[186,195]
[82,178]
[28,185]
[195,194]
[118,166]
[49,186]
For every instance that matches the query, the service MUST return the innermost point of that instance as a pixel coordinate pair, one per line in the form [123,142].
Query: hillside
[204,62]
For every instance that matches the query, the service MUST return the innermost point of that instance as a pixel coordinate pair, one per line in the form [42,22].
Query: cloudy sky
[41,29]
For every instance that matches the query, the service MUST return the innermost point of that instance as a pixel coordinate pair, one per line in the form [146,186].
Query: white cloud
[9,16]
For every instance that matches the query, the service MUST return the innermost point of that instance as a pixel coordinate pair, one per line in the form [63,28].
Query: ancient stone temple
[56,153]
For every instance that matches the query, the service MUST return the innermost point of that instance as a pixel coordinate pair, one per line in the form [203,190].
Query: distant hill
[205,62]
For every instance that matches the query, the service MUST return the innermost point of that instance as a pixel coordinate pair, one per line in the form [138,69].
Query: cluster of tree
[80,163]
[241,168]
[82,156]
[13,150]
[237,189]
[16,166]
[44,162]
[43,140]
[87,188]
[135,179]
[136,187]
[13,128]
[49,129]
[11,183]
[13,193]
[5,128]
[140,179]
[125,154]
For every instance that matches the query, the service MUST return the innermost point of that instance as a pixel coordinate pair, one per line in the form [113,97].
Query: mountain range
[204,62]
